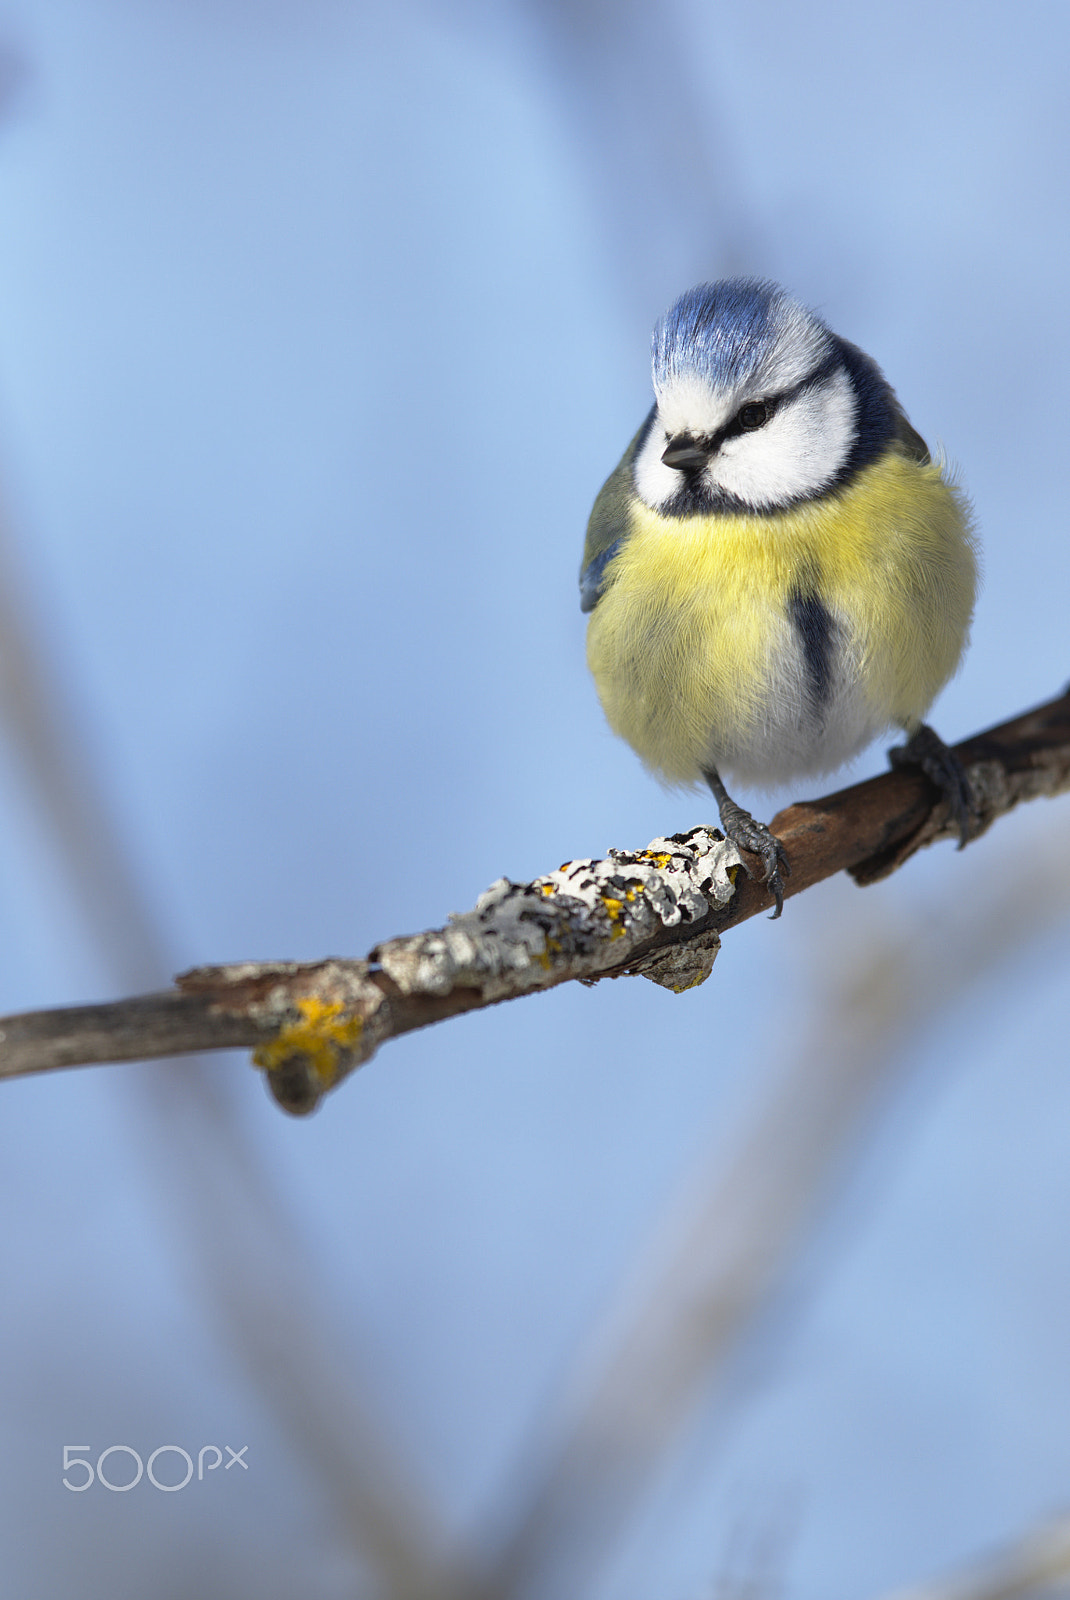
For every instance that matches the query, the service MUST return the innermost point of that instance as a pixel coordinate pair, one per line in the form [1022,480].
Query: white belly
[796,734]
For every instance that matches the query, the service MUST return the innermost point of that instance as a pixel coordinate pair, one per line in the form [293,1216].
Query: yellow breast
[695,654]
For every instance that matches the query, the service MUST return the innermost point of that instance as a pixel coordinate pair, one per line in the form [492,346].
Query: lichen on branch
[658,912]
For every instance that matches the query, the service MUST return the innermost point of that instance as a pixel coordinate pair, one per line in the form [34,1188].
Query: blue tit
[777,572]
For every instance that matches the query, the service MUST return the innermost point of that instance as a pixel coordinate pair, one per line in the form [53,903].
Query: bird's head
[757,405]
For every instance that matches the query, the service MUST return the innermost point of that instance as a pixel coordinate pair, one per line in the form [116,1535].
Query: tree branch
[658,912]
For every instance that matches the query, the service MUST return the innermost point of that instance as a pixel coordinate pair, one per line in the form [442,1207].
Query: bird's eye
[755,414]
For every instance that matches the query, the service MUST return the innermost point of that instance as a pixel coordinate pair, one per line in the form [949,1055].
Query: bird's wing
[911,440]
[608,524]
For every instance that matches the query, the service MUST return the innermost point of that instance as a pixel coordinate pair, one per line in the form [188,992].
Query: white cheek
[797,453]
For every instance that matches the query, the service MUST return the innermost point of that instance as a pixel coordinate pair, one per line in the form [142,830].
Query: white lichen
[584,920]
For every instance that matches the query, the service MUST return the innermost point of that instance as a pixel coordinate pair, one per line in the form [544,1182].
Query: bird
[777,572]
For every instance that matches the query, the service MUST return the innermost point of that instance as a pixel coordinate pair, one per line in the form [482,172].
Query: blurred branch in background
[622,74]
[62,784]
[658,912]
[720,1259]
[754,1564]
[225,1211]
[1039,1564]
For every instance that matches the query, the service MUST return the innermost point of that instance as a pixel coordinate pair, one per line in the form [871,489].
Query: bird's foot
[926,749]
[746,834]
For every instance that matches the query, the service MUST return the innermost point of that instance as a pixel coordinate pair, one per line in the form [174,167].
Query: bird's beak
[685,453]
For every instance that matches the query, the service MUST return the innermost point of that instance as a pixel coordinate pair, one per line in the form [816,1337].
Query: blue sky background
[320,326]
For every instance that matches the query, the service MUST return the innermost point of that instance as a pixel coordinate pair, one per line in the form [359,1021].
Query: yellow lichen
[660,858]
[321,1035]
[615,912]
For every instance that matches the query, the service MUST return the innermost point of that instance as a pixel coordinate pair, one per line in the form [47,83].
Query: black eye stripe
[875,419]
[751,416]
[772,403]
[707,497]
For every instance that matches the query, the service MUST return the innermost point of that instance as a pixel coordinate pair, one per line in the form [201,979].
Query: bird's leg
[942,767]
[746,834]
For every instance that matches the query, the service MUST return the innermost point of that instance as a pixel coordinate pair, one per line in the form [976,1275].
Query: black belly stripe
[814,625]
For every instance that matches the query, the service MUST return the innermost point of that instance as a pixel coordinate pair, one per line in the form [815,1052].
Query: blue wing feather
[608,525]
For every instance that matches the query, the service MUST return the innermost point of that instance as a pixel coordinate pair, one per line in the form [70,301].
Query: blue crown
[723,332]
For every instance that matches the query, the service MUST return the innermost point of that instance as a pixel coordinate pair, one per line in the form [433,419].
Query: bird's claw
[942,767]
[747,834]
